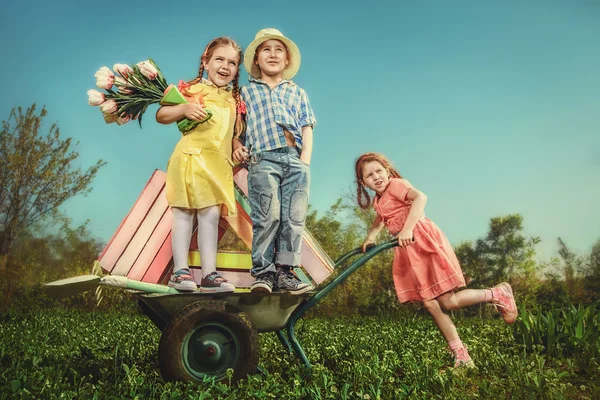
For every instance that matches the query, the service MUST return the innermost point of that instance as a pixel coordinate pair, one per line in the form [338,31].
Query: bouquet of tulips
[130,90]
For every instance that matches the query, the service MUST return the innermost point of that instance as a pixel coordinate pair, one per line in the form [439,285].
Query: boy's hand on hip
[240,154]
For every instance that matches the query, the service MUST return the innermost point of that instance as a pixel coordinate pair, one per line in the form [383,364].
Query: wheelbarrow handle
[390,243]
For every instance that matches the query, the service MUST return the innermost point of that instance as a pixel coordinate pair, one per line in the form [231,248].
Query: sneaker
[504,300]
[462,359]
[264,283]
[215,283]
[288,282]
[183,280]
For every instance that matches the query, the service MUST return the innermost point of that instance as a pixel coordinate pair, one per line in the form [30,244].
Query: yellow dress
[199,172]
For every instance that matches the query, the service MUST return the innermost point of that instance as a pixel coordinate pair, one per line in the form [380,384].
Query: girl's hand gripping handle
[405,238]
[367,245]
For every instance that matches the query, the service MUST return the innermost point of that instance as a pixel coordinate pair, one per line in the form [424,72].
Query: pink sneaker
[503,299]
[462,359]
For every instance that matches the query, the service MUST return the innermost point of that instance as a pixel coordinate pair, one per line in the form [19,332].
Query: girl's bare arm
[417,208]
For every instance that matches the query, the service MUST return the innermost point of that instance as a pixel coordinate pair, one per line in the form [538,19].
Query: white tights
[208,233]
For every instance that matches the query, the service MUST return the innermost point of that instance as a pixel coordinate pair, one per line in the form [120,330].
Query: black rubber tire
[206,338]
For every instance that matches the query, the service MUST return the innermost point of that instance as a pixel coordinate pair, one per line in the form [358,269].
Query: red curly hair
[362,196]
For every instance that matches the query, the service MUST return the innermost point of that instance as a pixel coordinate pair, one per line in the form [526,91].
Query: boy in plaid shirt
[278,145]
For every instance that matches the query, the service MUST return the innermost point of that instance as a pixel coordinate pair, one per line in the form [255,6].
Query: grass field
[63,354]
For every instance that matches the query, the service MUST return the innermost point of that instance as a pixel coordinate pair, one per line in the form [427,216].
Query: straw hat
[267,34]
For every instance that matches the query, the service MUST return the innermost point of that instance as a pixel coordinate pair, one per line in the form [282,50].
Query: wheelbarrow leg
[296,345]
[284,341]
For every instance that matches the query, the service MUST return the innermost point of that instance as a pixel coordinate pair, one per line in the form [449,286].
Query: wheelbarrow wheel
[204,340]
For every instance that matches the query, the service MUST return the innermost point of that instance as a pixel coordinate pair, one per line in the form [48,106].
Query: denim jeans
[278,184]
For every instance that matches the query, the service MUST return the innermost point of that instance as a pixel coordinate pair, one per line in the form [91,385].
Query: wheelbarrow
[204,335]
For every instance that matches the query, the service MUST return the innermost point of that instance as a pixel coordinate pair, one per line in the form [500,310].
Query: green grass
[60,353]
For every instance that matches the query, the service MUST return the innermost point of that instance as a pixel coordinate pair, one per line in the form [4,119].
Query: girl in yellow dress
[199,173]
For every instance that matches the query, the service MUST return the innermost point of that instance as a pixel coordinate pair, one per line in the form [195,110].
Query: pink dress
[426,269]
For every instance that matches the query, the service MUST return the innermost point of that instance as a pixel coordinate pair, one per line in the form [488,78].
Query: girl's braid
[365,202]
[240,123]
[236,89]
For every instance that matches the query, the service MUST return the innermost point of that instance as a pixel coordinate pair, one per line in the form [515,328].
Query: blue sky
[490,108]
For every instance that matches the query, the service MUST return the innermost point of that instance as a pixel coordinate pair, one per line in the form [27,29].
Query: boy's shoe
[183,280]
[264,283]
[288,282]
[462,359]
[215,283]
[504,300]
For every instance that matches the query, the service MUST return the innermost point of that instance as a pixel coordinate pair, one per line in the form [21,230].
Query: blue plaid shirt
[270,111]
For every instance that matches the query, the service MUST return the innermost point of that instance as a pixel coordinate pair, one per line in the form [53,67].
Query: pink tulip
[104,78]
[123,69]
[148,70]
[95,98]
[109,107]
[122,85]
[183,86]
[123,120]
[110,118]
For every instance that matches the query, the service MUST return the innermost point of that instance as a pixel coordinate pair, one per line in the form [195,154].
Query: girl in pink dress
[425,267]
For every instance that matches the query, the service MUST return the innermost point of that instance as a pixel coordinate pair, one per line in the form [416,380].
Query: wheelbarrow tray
[268,313]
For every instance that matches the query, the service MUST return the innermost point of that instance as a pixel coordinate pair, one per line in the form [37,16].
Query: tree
[471,262]
[572,264]
[504,248]
[37,174]
[581,273]
[503,254]
[592,273]
[37,257]
[595,260]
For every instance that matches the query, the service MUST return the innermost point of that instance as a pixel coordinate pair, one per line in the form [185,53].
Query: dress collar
[209,83]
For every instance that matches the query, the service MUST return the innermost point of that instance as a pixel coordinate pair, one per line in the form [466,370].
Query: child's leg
[449,332]
[264,177]
[500,295]
[263,193]
[208,237]
[457,300]
[181,235]
[442,320]
[294,205]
